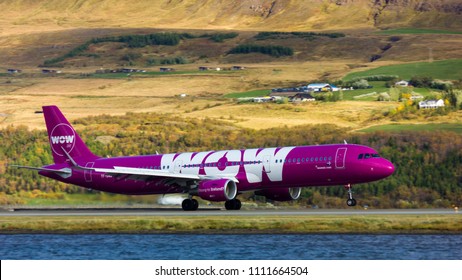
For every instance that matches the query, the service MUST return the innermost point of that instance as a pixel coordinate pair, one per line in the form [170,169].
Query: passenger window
[367,156]
[360,156]
[375,155]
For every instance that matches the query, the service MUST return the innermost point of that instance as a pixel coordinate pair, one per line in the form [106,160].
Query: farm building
[51,71]
[431,104]
[302,97]
[166,69]
[322,87]
[14,71]
[204,68]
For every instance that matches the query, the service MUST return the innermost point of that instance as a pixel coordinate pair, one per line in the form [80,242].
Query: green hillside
[399,31]
[444,69]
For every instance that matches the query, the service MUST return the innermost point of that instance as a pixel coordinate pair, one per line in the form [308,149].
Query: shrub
[275,51]
[304,35]
[131,56]
[377,78]
[442,85]
[360,84]
[421,81]
[220,37]
[375,57]
[386,47]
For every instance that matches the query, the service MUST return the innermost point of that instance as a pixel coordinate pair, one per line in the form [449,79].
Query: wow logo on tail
[62,137]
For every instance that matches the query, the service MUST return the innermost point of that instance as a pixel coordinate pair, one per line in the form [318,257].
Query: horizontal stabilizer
[64,172]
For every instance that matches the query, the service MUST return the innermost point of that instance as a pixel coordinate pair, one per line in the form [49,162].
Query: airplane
[278,173]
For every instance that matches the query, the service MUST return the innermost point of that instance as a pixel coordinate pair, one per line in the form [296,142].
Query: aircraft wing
[144,174]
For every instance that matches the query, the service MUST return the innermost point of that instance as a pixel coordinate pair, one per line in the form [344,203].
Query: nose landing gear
[350,201]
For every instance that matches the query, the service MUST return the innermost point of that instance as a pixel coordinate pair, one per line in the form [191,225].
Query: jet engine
[217,190]
[280,194]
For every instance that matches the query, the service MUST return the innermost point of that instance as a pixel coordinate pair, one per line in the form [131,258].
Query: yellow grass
[32,31]
[391,224]
[77,98]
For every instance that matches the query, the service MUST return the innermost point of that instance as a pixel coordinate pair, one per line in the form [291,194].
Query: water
[232,246]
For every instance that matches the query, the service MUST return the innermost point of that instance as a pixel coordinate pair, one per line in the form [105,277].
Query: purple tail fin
[63,137]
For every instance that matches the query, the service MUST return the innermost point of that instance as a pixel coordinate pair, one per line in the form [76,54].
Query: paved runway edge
[213,212]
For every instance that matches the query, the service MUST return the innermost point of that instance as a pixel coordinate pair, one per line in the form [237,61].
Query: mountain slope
[221,14]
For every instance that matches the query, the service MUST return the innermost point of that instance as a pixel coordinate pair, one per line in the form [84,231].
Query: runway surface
[210,212]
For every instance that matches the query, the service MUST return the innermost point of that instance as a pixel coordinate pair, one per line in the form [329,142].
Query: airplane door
[88,173]
[178,165]
[267,164]
[340,158]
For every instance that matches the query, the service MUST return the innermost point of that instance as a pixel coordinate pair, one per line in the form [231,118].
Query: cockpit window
[366,156]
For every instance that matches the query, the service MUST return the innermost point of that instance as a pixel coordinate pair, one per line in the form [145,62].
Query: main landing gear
[190,204]
[233,204]
[350,201]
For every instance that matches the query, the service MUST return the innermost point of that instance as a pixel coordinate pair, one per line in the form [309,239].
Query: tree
[360,84]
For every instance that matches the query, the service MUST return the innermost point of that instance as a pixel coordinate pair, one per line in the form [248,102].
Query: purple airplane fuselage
[277,173]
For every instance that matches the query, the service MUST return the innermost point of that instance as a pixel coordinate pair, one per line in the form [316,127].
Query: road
[211,212]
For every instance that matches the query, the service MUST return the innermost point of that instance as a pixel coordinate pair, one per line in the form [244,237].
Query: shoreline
[325,224]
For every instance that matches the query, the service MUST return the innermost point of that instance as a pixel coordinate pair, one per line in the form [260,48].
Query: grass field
[454,127]
[445,69]
[399,31]
[252,93]
[157,73]
[349,95]
[377,87]
[390,224]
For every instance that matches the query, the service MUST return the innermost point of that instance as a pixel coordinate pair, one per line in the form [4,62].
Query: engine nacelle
[217,190]
[280,194]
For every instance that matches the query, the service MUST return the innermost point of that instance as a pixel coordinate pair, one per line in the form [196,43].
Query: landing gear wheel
[351,202]
[233,204]
[189,204]
[195,204]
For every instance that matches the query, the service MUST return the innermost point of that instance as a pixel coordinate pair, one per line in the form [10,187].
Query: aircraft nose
[387,168]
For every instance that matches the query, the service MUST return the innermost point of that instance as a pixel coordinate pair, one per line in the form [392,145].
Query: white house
[402,83]
[322,87]
[431,104]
